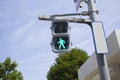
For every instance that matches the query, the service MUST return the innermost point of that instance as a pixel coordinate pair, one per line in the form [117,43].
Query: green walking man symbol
[61,43]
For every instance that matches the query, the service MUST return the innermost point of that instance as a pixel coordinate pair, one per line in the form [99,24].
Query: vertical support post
[101,58]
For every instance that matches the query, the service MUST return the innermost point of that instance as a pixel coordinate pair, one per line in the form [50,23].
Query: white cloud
[22,30]
[1,13]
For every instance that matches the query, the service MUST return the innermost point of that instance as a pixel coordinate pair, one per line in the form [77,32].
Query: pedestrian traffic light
[60,38]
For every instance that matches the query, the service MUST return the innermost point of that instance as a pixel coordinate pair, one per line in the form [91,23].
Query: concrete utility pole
[101,58]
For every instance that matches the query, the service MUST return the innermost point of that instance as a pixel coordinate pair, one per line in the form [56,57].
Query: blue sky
[26,39]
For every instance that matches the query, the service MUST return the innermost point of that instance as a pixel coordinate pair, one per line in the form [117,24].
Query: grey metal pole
[101,58]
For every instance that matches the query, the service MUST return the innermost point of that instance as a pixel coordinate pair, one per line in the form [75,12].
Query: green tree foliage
[66,65]
[8,70]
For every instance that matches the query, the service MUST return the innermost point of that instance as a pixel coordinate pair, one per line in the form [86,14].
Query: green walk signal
[61,43]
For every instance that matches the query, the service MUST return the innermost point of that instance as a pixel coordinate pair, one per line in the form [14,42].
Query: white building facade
[89,70]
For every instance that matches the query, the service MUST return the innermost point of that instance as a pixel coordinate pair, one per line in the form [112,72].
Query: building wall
[89,70]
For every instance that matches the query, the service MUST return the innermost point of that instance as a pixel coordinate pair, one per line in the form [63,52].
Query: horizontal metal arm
[73,20]
[84,13]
